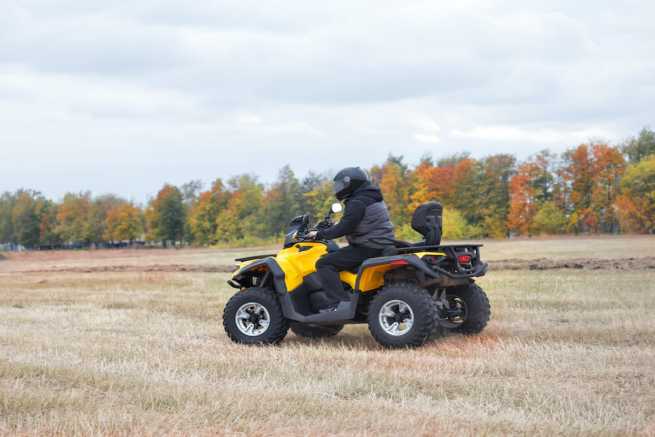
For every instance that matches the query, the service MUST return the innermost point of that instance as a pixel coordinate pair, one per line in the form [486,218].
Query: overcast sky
[121,96]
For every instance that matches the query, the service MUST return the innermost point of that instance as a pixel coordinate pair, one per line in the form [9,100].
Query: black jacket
[365,217]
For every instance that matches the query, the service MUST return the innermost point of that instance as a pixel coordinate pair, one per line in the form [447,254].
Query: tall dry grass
[144,353]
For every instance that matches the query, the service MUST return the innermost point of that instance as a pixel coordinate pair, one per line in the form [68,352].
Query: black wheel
[308,330]
[402,315]
[254,316]
[469,309]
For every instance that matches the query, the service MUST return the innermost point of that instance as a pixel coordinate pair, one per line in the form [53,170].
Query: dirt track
[139,268]
[642,263]
[626,264]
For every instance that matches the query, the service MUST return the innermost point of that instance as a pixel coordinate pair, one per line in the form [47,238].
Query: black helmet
[348,180]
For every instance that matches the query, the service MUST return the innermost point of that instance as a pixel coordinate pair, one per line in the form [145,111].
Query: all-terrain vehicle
[413,292]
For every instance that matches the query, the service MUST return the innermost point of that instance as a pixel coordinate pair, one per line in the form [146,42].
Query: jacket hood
[367,193]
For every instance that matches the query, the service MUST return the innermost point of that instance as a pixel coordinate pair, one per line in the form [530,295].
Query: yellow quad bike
[411,293]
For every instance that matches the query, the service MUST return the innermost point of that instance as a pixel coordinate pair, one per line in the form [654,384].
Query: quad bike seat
[428,221]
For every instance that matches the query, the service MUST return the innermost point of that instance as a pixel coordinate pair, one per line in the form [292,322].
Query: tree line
[590,188]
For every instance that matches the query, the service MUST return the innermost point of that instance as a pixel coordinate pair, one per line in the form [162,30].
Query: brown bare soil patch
[169,268]
[85,254]
[629,264]
[623,264]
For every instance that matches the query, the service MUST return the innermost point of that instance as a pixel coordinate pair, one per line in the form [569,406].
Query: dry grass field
[568,352]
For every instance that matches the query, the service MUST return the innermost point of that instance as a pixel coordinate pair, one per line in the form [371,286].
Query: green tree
[7,201]
[25,219]
[549,219]
[283,201]
[166,216]
[640,147]
[317,195]
[496,171]
[190,194]
[191,191]
[455,226]
[46,210]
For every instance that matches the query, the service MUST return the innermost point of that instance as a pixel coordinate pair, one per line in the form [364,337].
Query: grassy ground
[144,353]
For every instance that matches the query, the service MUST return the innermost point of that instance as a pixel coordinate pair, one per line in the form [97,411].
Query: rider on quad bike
[365,220]
[406,292]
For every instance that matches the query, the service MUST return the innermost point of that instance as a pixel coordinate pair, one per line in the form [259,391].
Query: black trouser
[346,258]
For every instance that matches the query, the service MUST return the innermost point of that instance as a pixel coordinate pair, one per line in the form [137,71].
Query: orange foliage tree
[124,223]
[523,205]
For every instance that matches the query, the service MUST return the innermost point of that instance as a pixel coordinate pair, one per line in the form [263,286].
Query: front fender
[242,278]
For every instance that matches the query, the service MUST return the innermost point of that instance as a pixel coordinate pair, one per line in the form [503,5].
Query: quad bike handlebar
[302,232]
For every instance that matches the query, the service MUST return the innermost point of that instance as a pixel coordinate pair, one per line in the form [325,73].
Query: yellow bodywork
[299,260]
[373,277]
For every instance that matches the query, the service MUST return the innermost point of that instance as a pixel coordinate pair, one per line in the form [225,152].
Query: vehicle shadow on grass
[358,340]
[364,341]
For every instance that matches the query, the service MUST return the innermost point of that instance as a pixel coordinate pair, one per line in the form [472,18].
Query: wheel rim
[396,317]
[457,310]
[252,319]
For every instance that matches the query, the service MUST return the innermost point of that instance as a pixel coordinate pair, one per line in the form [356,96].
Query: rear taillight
[398,263]
[464,259]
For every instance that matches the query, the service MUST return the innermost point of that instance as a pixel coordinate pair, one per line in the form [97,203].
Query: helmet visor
[339,186]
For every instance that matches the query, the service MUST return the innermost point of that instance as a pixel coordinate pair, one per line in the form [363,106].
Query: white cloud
[427,138]
[532,135]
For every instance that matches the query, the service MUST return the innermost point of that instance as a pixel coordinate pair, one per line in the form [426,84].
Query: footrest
[343,312]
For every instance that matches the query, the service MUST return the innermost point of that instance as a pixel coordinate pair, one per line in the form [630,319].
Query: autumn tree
[394,181]
[523,205]
[456,182]
[204,213]
[166,216]
[608,165]
[440,182]
[124,222]
[97,220]
[577,172]
[241,219]
[28,218]
[636,206]
[74,218]
[317,195]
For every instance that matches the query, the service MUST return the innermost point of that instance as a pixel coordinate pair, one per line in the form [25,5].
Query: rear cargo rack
[250,258]
[440,248]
